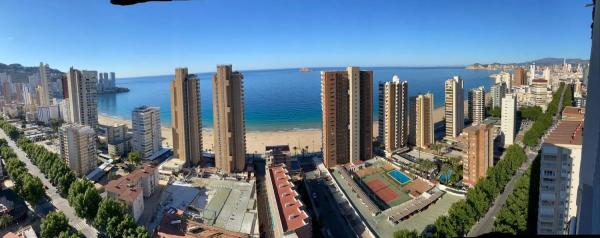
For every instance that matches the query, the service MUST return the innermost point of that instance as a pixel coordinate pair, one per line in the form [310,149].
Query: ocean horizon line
[311,68]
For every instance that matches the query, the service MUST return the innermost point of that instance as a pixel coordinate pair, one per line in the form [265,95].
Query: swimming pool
[399,176]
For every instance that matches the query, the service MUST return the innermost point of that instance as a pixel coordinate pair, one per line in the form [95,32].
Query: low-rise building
[118,140]
[278,154]
[133,188]
[287,211]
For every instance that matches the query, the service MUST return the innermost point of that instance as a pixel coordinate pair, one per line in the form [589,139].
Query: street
[331,220]
[58,202]
[486,224]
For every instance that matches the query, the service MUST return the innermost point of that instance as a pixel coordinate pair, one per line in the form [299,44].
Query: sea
[280,99]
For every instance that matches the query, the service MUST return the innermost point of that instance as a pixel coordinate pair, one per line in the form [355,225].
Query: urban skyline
[266,29]
[507,149]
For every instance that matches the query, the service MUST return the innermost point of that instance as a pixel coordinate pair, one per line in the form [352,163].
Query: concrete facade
[146,130]
[78,148]
[508,119]
[185,117]
[421,118]
[454,110]
[345,114]
[395,114]
[228,119]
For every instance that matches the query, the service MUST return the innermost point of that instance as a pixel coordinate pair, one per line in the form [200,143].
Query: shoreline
[256,141]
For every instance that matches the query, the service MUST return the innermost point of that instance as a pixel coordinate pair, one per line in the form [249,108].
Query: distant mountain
[552,61]
[19,73]
[540,62]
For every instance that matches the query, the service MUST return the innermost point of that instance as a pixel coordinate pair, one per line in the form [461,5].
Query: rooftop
[566,132]
[278,148]
[573,113]
[126,187]
[174,225]
[289,207]
[539,81]
[223,203]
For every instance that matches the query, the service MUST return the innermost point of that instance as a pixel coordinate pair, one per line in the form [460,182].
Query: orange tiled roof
[290,208]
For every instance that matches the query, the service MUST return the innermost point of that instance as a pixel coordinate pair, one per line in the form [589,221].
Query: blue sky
[154,38]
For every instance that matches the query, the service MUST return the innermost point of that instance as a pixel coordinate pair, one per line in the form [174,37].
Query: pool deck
[379,223]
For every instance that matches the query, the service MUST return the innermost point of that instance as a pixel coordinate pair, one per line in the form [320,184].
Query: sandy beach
[257,140]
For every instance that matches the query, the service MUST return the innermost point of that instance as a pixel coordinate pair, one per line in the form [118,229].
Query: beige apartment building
[421,118]
[185,117]
[454,110]
[228,119]
[83,101]
[78,148]
[347,105]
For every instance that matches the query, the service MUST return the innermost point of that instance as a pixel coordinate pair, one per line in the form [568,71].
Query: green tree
[84,198]
[108,209]
[53,224]
[5,220]
[68,234]
[32,190]
[406,234]
[495,112]
[134,157]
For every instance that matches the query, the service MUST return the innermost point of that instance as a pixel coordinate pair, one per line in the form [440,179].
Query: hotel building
[347,104]
[479,143]
[44,94]
[476,105]
[146,130]
[228,119]
[83,101]
[185,117]
[519,77]
[421,118]
[454,110]
[394,114]
[508,119]
[78,148]
[498,91]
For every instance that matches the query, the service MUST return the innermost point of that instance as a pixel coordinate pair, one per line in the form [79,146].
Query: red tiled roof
[573,113]
[566,132]
[126,187]
[290,208]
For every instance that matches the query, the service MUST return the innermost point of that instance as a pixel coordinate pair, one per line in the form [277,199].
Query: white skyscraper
[454,107]
[476,105]
[78,148]
[354,94]
[531,73]
[83,101]
[508,122]
[146,130]
[395,114]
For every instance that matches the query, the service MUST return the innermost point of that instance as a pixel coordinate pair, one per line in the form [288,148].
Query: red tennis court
[375,185]
[387,195]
